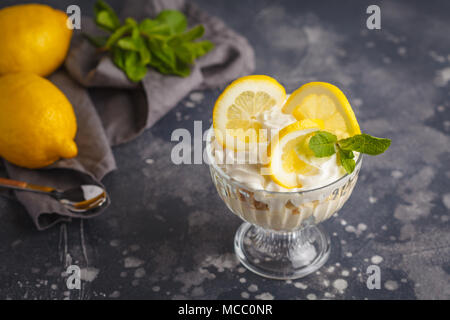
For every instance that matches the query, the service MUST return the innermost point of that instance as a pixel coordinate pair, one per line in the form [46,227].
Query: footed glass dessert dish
[281,237]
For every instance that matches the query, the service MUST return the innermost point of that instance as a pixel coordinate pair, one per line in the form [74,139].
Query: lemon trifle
[277,163]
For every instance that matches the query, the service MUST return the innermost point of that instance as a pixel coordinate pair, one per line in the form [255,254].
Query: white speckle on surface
[156,288]
[326,283]
[361,227]
[436,57]
[196,96]
[447,125]
[373,200]
[265,296]
[241,270]
[442,77]
[348,254]
[357,102]
[343,222]
[134,247]
[149,161]
[340,284]
[384,227]
[354,269]
[391,285]
[300,285]
[242,280]
[370,236]
[345,273]
[350,229]
[403,280]
[221,262]
[330,269]
[397,174]
[132,262]
[252,288]
[16,243]
[335,234]
[139,273]
[446,200]
[245,295]
[115,294]
[401,51]
[114,243]
[440,108]
[376,259]
[337,264]
[89,274]
[178,115]
[311,296]
[54,286]
[189,104]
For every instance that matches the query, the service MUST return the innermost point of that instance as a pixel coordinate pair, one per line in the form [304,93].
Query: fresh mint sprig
[163,43]
[325,144]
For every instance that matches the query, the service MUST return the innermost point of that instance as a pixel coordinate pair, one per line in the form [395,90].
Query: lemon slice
[321,100]
[288,162]
[236,112]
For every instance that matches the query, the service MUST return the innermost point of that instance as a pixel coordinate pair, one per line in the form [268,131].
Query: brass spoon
[82,199]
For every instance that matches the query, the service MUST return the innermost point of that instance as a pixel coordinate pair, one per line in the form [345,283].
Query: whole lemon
[37,122]
[33,38]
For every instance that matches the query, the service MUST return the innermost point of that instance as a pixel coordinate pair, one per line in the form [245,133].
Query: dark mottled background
[167,235]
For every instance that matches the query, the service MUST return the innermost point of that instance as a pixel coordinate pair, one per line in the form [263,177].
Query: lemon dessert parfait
[283,166]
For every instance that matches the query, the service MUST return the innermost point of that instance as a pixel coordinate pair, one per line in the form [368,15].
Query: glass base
[282,255]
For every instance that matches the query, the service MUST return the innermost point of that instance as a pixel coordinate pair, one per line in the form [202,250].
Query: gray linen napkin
[117,110]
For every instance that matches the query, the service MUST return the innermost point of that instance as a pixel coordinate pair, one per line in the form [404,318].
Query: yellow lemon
[237,111]
[37,122]
[33,38]
[289,154]
[321,100]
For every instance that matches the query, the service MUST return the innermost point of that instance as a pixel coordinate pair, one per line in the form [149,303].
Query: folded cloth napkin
[116,110]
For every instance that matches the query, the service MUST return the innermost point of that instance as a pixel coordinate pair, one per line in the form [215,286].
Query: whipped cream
[236,164]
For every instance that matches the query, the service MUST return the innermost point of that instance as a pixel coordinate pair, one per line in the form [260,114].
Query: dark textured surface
[167,235]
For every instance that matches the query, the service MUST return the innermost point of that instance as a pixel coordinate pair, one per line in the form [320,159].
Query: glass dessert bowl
[280,237]
[284,163]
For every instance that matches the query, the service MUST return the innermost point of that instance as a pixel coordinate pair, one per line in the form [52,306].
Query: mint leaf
[134,69]
[322,144]
[119,57]
[346,159]
[365,143]
[192,34]
[105,17]
[128,43]
[200,48]
[175,20]
[162,43]
[117,35]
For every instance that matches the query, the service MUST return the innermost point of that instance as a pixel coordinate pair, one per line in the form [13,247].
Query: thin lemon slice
[237,110]
[321,100]
[288,153]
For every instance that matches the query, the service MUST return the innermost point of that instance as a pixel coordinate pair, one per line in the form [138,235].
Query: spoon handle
[20,185]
